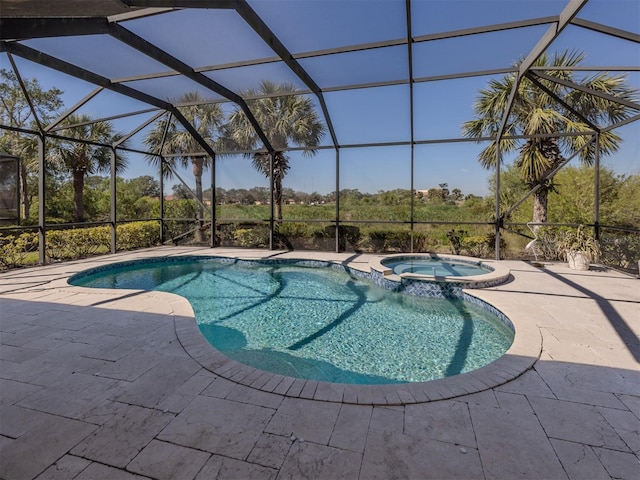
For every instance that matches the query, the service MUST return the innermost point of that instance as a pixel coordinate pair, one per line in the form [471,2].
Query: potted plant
[579,248]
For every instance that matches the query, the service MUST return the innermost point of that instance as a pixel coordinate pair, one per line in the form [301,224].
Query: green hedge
[130,236]
[71,244]
[77,243]
[15,250]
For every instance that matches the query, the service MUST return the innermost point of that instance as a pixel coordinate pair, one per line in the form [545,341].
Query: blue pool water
[436,267]
[320,323]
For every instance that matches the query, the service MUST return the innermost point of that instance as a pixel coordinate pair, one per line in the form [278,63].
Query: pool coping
[520,357]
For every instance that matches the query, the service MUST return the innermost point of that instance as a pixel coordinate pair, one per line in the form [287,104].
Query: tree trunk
[197,173]
[24,194]
[280,167]
[551,151]
[277,196]
[540,206]
[78,196]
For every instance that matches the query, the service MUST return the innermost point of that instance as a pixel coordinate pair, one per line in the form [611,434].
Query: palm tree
[206,118]
[286,119]
[534,111]
[82,159]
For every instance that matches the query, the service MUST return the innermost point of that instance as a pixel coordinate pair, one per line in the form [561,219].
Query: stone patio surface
[118,384]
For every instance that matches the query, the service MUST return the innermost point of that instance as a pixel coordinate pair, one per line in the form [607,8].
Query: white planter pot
[578,260]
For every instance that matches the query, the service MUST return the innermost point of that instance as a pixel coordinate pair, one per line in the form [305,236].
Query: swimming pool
[328,324]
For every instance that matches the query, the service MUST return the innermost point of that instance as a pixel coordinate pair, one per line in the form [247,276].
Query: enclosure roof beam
[25,92]
[105,119]
[135,14]
[565,17]
[350,49]
[607,30]
[218,4]
[91,77]
[147,48]
[546,90]
[140,127]
[22,28]
[549,176]
[70,111]
[261,28]
[595,93]
[626,121]
[498,27]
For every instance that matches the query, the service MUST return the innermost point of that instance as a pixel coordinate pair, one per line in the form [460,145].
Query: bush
[394,241]
[546,245]
[294,230]
[347,234]
[375,240]
[14,250]
[621,250]
[482,246]
[70,244]
[477,246]
[134,235]
[77,242]
[455,239]
[184,211]
[225,234]
[397,241]
[257,237]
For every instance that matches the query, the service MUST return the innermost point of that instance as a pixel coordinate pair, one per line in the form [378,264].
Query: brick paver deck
[106,384]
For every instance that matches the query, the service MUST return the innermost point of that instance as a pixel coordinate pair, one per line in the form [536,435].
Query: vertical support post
[112,192]
[337,200]
[42,234]
[413,197]
[411,114]
[162,239]
[497,199]
[213,202]
[271,203]
[596,190]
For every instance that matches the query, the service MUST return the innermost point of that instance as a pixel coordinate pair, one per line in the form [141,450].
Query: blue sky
[380,114]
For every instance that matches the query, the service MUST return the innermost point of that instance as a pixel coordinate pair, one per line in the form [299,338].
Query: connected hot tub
[436,275]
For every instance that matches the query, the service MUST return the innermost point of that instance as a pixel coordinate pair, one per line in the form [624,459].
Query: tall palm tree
[207,119]
[536,112]
[82,159]
[286,119]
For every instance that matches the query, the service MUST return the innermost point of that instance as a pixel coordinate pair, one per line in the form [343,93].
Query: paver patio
[110,384]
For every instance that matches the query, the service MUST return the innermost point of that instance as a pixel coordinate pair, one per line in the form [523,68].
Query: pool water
[321,323]
[434,267]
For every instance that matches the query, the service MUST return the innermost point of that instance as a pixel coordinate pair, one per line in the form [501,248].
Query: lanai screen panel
[9,189]
[101,54]
[381,75]
[429,17]
[319,25]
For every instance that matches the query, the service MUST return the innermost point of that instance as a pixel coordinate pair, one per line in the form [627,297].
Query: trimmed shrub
[14,250]
[621,251]
[257,237]
[77,242]
[478,245]
[294,230]
[130,236]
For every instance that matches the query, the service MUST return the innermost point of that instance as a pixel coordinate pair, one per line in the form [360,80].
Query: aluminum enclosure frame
[27,24]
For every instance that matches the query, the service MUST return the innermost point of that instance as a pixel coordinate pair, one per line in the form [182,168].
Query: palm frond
[535,111]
